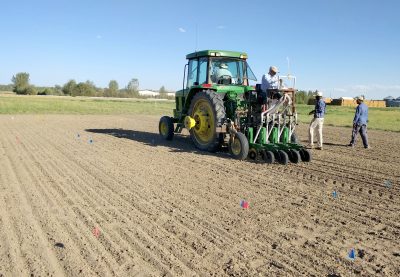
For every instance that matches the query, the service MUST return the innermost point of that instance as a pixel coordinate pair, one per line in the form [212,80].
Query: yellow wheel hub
[189,122]
[164,128]
[204,127]
[236,147]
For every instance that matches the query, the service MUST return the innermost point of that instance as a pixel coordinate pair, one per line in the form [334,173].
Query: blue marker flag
[352,254]
[388,184]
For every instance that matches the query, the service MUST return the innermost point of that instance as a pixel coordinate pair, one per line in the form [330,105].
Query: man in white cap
[360,122]
[270,80]
[317,121]
[222,71]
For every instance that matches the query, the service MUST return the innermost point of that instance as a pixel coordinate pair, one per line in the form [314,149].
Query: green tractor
[220,108]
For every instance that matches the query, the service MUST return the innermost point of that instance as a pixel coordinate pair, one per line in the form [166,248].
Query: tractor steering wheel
[225,79]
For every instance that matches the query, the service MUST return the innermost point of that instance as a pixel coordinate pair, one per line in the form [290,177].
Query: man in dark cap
[360,123]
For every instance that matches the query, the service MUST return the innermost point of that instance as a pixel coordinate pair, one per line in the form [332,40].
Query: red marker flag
[244,204]
[96,232]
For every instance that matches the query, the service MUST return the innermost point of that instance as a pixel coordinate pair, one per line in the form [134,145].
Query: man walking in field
[317,121]
[360,123]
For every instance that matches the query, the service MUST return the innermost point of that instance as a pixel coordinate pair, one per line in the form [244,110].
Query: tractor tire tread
[219,111]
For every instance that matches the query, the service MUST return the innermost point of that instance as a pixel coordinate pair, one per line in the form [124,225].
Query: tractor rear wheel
[208,111]
[239,146]
[166,127]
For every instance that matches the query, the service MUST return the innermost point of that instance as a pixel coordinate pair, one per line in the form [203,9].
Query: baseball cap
[274,69]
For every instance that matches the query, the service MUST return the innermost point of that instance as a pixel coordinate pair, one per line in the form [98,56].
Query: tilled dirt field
[104,195]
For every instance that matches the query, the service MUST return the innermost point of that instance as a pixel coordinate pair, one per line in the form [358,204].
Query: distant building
[152,93]
[350,102]
[392,102]
[389,98]
[148,93]
[327,100]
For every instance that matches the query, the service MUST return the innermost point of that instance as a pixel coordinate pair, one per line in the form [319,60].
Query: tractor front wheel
[239,146]
[166,127]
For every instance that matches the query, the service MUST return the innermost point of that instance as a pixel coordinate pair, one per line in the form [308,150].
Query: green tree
[9,87]
[133,85]
[163,92]
[301,97]
[132,89]
[113,86]
[20,83]
[46,91]
[69,88]
[58,90]
[112,89]
[85,89]
[31,90]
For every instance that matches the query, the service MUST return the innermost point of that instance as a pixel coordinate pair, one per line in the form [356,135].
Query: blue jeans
[362,129]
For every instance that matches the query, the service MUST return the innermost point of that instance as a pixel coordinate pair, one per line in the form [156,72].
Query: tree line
[21,85]
[304,97]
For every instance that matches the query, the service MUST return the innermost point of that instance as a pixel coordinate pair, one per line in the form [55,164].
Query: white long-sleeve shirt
[269,82]
[223,72]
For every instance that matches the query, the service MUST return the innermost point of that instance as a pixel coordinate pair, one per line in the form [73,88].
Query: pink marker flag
[96,232]
[244,204]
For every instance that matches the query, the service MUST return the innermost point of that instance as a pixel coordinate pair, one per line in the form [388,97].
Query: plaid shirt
[319,109]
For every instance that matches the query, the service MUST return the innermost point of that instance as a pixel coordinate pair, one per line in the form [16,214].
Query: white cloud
[181,30]
[340,90]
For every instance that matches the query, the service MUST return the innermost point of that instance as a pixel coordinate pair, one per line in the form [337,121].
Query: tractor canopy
[224,72]
[217,53]
[218,67]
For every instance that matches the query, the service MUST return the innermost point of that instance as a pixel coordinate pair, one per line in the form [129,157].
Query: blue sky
[343,48]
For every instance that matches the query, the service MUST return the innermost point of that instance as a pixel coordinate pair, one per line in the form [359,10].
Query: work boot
[319,148]
[310,146]
[350,145]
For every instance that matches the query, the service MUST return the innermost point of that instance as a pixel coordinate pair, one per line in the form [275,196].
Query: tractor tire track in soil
[130,204]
